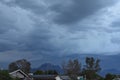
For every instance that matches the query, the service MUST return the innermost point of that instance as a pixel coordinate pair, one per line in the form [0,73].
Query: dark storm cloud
[39,37]
[65,12]
[7,45]
[38,40]
[4,27]
[23,30]
[6,23]
[31,5]
[115,40]
[116,26]
[116,23]
[78,10]
[11,27]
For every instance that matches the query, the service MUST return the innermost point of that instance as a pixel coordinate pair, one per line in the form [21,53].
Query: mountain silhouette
[49,66]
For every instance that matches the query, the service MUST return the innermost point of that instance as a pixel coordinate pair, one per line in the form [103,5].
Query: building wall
[17,74]
[58,78]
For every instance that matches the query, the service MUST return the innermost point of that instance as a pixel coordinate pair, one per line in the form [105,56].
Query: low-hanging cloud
[78,10]
[43,29]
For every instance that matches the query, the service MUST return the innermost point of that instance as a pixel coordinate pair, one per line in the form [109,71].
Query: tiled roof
[20,72]
[44,76]
[65,77]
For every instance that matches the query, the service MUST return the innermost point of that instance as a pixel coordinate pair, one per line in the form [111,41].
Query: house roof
[20,72]
[65,77]
[44,76]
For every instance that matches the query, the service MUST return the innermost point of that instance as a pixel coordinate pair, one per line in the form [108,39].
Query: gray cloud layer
[46,28]
[78,10]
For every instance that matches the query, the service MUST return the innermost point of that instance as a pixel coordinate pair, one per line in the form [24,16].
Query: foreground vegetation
[72,68]
[4,75]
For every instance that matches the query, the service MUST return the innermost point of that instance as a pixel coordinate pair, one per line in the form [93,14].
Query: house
[43,77]
[20,74]
[63,78]
[68,78]
[81,78]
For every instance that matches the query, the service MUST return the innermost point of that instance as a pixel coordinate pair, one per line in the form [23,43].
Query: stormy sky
[52,30]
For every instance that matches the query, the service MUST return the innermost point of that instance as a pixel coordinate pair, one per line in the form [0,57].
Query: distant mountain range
[112,71]
[49,66]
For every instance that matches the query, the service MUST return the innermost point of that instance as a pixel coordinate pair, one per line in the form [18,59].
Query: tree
[38,72]
[22,64]
[51,72]
[4,75]
[47,72]
[72,68]
[109,76]
[13,67]
[91,68]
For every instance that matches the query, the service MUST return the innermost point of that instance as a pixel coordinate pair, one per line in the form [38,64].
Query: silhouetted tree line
[90,70]
[47,72]
[4,75]
[22,64]
[73,68]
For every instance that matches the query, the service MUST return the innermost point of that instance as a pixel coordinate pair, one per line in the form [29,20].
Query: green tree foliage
[22,64]
[38,72]
[13,66]
[91,68]
[4,75]
[110,76]
[48,72]
[72,68]
[51,72]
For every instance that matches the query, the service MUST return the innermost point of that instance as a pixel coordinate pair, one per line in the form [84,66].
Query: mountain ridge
[49,66]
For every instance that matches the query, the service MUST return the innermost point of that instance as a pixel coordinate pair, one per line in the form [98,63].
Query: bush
[4,75]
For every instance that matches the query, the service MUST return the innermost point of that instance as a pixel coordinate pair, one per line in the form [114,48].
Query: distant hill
[112,71]
[49,66]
